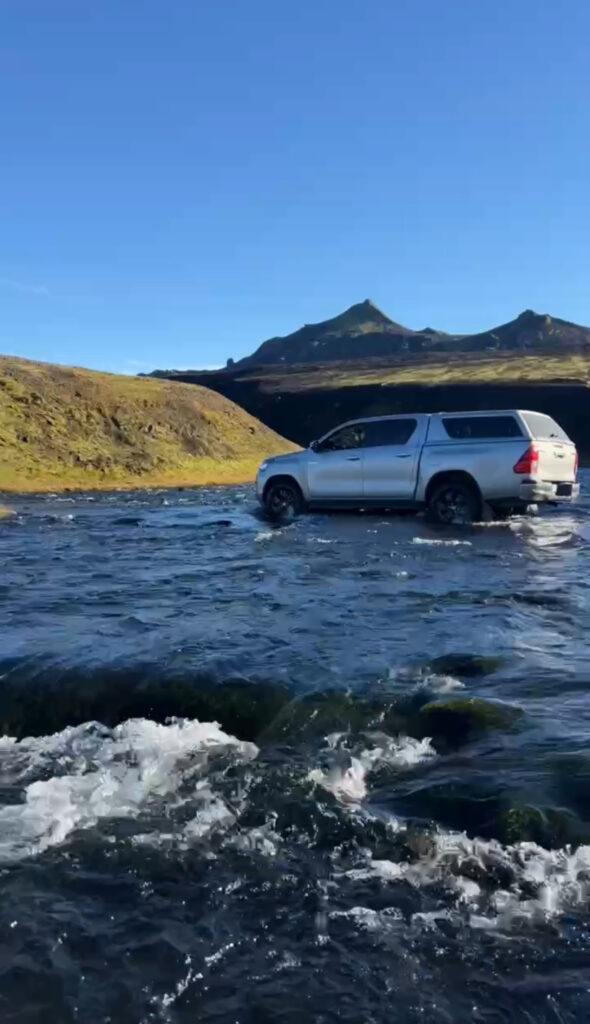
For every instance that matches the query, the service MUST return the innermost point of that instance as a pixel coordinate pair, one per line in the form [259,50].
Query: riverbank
[205,473]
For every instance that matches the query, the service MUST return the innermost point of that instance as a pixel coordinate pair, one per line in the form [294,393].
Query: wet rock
[458,720]
[6,513]
[316,714]
[551,827]
[419,842]
[467,665]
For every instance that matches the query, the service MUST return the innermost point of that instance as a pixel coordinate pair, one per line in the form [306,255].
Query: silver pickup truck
[457,466]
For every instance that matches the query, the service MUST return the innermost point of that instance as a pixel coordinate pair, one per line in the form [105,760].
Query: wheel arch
[448,475]
[282,478]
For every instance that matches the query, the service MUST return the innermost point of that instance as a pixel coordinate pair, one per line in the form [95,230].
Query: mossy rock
[467,665]
[458,720]
[316,714]
[551,827]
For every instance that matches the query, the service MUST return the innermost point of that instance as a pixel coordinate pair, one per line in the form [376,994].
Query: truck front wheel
[283,500]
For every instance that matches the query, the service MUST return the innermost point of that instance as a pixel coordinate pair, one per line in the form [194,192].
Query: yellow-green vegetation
[63,427]
[463,368]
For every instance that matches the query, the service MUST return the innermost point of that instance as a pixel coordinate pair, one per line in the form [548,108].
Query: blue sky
[182,179]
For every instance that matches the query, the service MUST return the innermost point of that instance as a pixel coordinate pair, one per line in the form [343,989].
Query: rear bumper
[536,491]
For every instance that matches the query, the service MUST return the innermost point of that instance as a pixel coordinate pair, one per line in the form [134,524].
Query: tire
[283,500]
[454,503]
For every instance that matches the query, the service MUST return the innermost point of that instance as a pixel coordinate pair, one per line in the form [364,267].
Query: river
[334,771]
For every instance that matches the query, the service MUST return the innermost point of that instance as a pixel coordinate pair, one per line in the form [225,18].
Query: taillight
[529,461]
[575,464]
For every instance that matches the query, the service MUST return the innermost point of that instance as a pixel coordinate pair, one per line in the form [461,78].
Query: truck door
[390,457]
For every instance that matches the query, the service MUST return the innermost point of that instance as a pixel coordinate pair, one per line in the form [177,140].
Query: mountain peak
[527,314]
[369,309]
[365,312]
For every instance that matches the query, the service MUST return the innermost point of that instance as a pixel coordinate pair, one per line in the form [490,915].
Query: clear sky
[181,179]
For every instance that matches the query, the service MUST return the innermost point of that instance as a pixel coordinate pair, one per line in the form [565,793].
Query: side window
[462,428]
[352,436]
[383,432]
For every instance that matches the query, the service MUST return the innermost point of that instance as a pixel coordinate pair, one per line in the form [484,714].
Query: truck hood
[284,460]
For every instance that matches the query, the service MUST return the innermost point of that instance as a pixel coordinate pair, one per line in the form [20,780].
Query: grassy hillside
[63,427]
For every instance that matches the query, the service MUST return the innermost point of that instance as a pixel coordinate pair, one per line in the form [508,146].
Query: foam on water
[422,679]
[103,773]
[266,535]
[438,542]
[499,886]
[346,777]
[550,532]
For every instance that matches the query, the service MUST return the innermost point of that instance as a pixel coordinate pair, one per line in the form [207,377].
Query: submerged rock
[468,665]
[551,827]
[316,714]
[458,720]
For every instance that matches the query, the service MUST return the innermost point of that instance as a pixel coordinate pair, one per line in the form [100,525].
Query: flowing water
[335,771]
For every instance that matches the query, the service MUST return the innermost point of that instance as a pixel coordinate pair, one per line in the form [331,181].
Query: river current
[332,771]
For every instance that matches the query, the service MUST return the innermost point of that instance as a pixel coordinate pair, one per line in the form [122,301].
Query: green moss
[64,427]
[458,720]
[431,369]
[553,827]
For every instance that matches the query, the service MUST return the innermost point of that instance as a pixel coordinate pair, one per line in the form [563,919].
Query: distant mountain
[361,332]
[364,332]
[529,331]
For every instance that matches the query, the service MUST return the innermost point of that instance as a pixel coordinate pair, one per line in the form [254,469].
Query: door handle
[403,456]
[353,458]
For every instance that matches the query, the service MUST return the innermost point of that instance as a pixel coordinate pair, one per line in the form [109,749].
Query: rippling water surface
[336,771]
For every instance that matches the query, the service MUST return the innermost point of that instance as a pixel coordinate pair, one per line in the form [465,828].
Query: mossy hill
[65,427]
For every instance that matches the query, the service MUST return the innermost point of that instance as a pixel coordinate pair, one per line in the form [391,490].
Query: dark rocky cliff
[302,415]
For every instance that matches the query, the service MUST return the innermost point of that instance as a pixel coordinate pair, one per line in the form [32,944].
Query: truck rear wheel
[454,502]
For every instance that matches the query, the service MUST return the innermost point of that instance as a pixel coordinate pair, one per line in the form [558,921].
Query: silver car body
[396,460]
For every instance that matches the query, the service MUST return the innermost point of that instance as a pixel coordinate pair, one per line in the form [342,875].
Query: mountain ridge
[365,332]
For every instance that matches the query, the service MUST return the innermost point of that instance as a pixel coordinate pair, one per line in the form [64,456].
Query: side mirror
[314,446]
